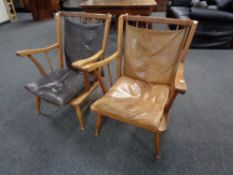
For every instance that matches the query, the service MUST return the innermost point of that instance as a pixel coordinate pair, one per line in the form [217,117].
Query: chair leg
[79,116]
[98,124]
[38,102]
[157,145]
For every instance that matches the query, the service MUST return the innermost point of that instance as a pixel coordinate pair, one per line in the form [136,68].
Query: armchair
[152,74]
[85,40]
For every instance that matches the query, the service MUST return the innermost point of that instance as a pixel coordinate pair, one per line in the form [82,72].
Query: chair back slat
[49,61]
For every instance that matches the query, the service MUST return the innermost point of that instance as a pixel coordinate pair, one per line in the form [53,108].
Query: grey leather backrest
[81,40]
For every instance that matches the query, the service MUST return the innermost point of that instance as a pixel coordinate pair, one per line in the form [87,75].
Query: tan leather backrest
[152,55]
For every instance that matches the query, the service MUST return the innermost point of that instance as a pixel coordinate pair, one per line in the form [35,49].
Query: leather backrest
[224,5]
[186,3]
[152,56]
[81,40]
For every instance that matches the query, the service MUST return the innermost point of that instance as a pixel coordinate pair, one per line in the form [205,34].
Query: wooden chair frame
[179,85]
[89,89]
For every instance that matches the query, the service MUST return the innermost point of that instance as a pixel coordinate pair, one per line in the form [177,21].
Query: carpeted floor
[199,140]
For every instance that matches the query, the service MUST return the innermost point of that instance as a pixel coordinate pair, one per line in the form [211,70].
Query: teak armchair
[152,76]
[86,37]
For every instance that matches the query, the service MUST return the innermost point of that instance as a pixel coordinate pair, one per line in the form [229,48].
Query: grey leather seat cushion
[58,87]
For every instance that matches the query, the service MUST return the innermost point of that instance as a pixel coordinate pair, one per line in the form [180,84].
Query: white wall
[3,13]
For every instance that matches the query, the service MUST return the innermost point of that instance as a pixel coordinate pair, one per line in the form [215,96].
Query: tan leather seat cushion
[135,102]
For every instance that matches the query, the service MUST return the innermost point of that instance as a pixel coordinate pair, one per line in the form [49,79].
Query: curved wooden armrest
[180,84]
[81,63]
[23,53]
[93,66]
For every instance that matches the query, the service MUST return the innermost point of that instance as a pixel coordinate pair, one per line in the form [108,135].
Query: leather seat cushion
[81,40]
[58,87]
[152,56]
[180,12]
[135,102]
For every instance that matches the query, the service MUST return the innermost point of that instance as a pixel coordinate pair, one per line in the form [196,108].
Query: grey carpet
[199,140]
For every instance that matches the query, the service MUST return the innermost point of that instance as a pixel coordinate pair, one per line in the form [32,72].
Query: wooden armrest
[180,84]
[81,63]
[93,66]
[23,53]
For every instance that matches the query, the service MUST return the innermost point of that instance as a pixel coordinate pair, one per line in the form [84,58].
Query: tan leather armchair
[152,73]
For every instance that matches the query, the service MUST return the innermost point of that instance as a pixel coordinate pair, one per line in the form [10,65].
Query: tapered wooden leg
[157,145]
[98,124]
[38,102]
[79,116]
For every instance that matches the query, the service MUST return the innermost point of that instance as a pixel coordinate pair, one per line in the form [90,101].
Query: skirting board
[4,22]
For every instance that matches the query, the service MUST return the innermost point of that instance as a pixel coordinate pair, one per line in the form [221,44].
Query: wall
[3,13]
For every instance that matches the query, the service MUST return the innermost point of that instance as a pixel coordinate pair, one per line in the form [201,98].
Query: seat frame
[179,84]
[89,88]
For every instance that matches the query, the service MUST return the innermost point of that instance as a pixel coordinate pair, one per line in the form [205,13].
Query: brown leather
[140,95]
[152,55]
[135,102]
